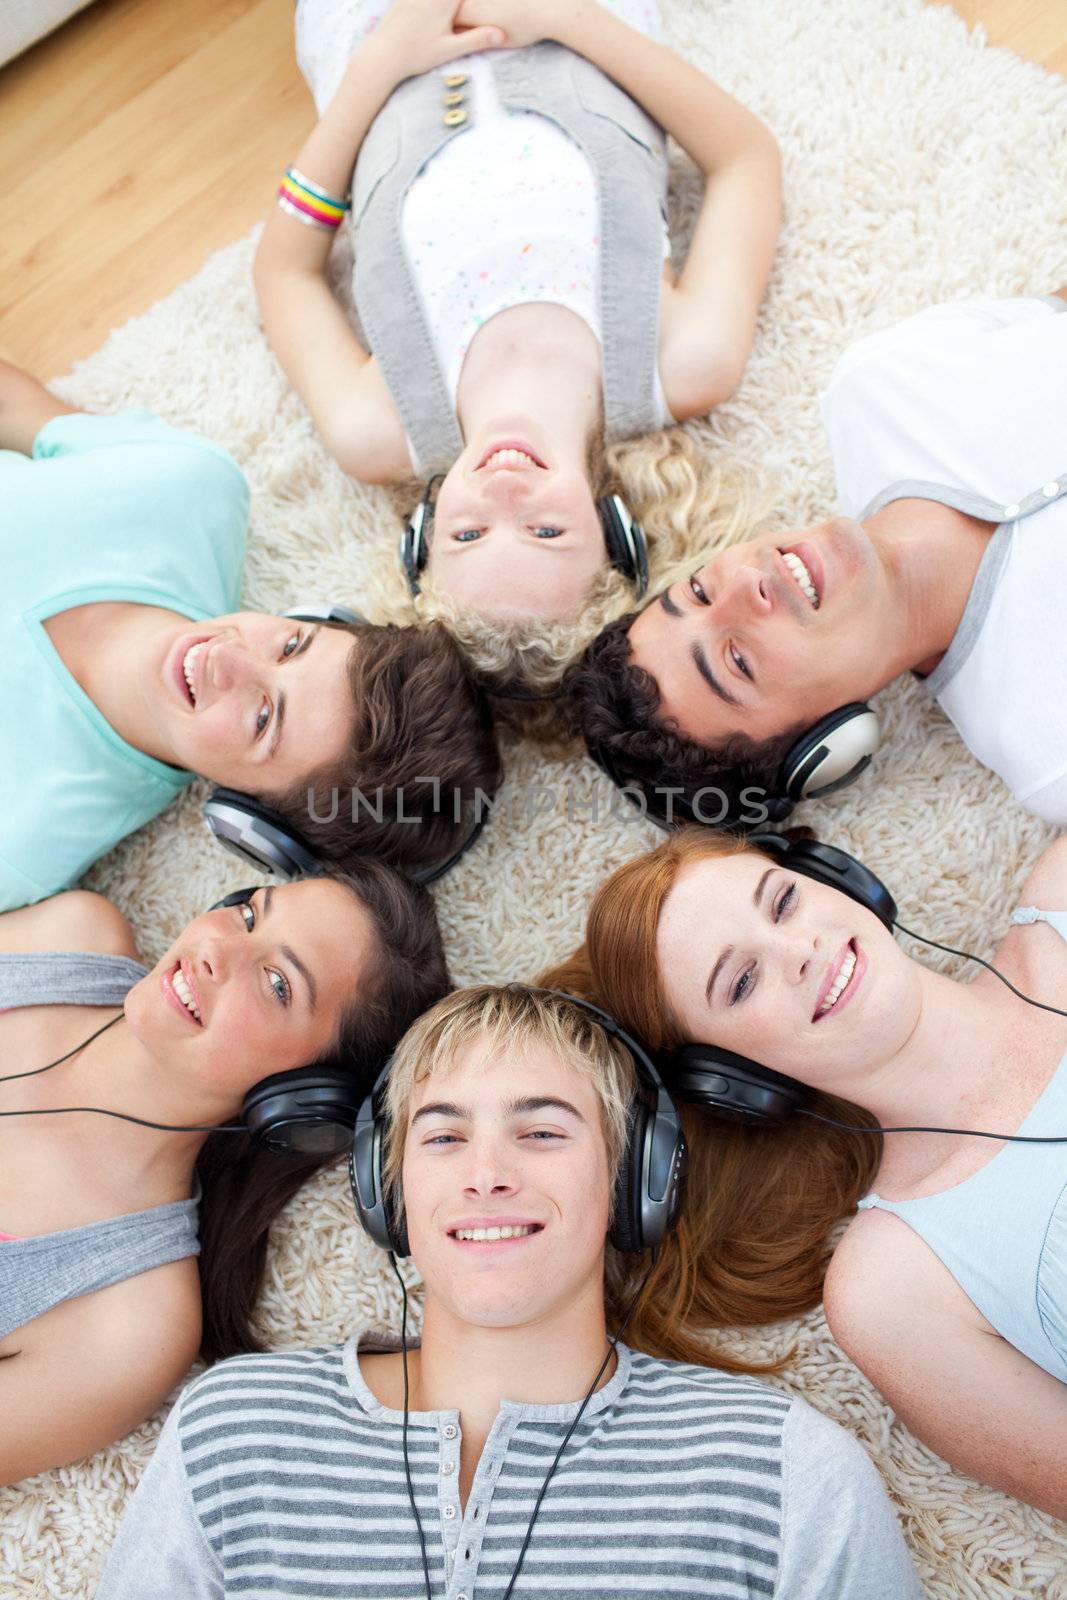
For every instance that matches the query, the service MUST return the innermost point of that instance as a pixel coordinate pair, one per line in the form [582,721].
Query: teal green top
[108,508]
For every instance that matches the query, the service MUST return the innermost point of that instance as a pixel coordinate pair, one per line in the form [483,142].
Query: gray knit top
[41,1272]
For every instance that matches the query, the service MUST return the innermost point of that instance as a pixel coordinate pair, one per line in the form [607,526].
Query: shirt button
[454,118]
[455,80]
[448,1512]
[1050,489]
[448,1467]
[1011,511]
[450,1430]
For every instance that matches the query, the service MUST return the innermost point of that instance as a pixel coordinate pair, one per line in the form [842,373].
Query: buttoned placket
[462,1531]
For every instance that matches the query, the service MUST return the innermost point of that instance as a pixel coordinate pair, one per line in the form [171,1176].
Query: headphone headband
[651,1176]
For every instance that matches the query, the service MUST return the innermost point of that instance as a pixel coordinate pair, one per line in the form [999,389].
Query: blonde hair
[508,1020]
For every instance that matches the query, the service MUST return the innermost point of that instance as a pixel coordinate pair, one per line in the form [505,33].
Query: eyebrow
[290,954]
[523,1105]
[700,659]
[279,714]
[728,952]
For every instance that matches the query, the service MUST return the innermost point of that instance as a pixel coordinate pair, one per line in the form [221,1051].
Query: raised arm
[709,316]
[25,407]
[975,1399]
[307,329]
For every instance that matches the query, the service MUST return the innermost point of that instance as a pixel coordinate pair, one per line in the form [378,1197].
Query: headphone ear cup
[626,1232]
[324,611]
[732,1085]
[625,541]
[835,868]
[374,1209]
[832,754]
[308,1111]
[415,539]
[258,835]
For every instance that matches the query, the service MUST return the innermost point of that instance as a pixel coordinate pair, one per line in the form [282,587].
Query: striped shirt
[282,1475]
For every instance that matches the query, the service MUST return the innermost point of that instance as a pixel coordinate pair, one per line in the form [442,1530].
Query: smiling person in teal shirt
[122,540]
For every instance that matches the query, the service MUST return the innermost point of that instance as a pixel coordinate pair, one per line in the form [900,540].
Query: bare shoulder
[1037,955]
[883,1281]
[75,920]
[133,1343]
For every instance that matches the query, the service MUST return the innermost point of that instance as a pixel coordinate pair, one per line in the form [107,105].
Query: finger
[474,39]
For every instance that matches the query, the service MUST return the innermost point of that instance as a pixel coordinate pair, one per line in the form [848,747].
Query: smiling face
[252,701]
[793,974]
[515,533]
[249,990]
[769,635]
[506,1186]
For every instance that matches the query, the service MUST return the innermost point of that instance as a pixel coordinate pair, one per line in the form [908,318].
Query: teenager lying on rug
[101,1306]
[515,1446]
[949,1289]
[512,276]
[128,671]
[947,440]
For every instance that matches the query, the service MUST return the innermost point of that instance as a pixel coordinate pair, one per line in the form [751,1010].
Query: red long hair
[752,1246]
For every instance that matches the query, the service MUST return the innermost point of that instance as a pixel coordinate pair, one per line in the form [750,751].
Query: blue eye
[547,533]
[280,986]
[467,535]
[248,915]
[262,720]
[291,644]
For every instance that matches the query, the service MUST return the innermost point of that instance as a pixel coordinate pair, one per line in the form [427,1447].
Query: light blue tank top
[1002,1233]
[46,1269]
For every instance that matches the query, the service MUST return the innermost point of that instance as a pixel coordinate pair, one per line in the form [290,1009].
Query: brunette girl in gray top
[98,1214]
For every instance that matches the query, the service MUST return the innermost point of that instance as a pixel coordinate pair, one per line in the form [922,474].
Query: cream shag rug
[919,166]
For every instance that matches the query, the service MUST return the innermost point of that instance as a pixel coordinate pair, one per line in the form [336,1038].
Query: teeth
[488,1235]
[515,458]
[187,666]
[184,993]
[840,983]
[802,576]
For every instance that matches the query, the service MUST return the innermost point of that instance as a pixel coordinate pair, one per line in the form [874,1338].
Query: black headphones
[306,1110]
[624,539]
[651,1180]
[724,1082]
[265,840]
[828,757]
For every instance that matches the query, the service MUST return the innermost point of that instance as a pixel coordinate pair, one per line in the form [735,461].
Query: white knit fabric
[919,166]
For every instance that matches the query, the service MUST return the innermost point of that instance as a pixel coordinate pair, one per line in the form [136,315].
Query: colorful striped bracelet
[308,202]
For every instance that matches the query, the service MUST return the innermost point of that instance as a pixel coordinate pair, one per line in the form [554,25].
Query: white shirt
[966,404]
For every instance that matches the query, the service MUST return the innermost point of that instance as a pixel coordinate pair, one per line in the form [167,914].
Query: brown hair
[421,764]
[753,1243]
[243,1188]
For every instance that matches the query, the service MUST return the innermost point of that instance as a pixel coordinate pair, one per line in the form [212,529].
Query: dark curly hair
[421,764]
[616,704]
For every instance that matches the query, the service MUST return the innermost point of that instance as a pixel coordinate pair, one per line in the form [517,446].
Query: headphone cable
[99,1111]
[988,965]
[612,1347]
[971,1133]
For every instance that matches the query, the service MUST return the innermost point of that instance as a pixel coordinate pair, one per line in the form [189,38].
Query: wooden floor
[145,134]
